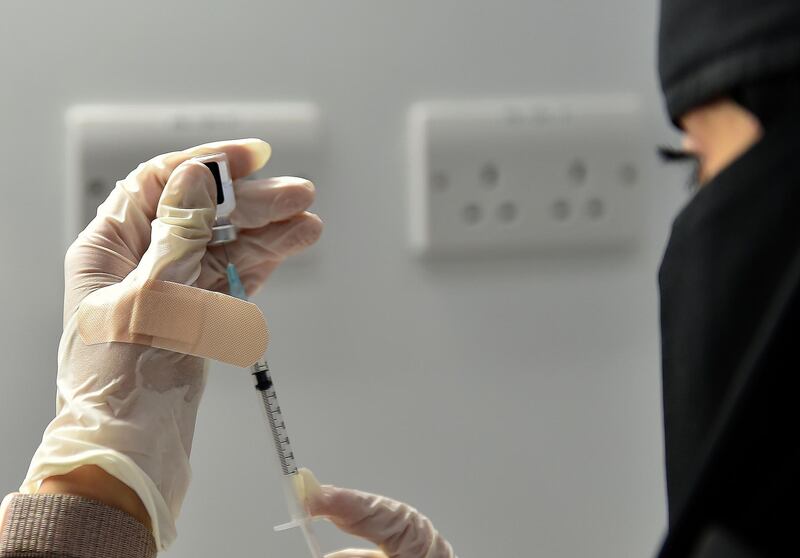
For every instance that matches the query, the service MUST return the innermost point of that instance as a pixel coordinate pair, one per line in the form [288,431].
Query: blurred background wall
[514,400]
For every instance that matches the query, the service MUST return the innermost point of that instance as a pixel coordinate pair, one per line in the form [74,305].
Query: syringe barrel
[272,412]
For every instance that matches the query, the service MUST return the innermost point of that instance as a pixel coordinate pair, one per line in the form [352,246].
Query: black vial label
[214,168]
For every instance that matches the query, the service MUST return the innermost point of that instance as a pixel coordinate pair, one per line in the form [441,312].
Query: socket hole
[577,172]
[595,208]
[97,187]
[471,213]
[507,212]
[490,175]
[560,209]
[628,174]
[440,181]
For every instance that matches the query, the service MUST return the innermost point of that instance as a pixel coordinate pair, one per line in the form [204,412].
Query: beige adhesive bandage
[175,317]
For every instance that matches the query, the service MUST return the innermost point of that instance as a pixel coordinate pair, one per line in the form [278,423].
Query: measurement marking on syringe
[278,428]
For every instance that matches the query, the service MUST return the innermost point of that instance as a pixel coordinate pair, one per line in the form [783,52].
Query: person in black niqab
[730,279]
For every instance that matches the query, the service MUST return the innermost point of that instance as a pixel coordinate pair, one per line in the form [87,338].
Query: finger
[257,252]
[182,229]
[245,156]
[276,241]
[260,202]
[356,553]
[255,277]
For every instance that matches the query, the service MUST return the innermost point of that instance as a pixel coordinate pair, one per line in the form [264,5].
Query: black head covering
[712,48]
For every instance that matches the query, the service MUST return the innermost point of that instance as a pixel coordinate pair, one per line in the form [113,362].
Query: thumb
[182,228]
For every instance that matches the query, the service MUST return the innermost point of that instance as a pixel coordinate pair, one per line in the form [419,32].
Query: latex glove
[397,529]
[131,409]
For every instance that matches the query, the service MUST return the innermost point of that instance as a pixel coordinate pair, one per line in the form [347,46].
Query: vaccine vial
[223,230]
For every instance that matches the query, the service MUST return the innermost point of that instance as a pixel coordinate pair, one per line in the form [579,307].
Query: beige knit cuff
[64,526]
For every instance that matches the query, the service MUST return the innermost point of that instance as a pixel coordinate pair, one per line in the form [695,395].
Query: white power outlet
[106,142]
[539,175]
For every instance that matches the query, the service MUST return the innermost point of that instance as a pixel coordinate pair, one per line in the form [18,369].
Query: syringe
[292,487]
[223,232]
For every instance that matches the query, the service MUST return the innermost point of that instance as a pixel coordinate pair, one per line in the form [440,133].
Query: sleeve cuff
[66,525]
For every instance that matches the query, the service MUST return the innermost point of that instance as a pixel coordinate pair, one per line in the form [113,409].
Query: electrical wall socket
[536,175]
[106,142]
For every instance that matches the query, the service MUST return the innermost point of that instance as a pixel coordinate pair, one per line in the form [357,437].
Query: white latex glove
[397,529]
[131,409]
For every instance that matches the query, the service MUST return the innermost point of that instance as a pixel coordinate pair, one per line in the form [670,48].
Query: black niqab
[730,317]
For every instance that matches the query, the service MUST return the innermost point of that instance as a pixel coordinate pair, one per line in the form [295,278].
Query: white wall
[515,401]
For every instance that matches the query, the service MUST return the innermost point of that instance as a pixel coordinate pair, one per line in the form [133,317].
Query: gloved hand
[131,409]
[397,529]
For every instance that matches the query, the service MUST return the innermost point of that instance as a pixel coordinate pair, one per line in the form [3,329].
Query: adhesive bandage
[175,317]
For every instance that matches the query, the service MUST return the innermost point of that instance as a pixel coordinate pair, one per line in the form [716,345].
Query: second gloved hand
[127,408]
[397,529]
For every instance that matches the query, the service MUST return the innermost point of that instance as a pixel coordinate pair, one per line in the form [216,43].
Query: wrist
[90,481]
